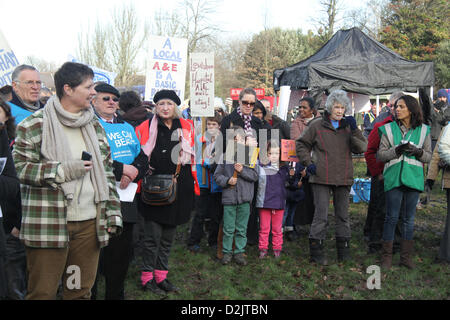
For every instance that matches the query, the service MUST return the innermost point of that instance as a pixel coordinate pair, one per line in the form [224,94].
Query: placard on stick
[288,151]
[201,70]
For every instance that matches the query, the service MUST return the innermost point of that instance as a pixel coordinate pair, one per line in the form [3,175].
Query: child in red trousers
[270,200]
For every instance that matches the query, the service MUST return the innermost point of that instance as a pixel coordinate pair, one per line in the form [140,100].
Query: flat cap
[107,88]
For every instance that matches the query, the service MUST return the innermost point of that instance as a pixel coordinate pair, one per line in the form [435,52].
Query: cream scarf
[56,147]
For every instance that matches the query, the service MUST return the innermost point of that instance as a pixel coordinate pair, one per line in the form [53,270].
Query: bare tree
[198,26]
[93,49]
[41,64]
[166,23]
[123,43]
[115,47]
[329,18]
[368,18]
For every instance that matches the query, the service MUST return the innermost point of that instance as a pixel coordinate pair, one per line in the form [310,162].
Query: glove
[400,149]
[351,122]
[442,164]
[430,183]
[412,150]
[311,169]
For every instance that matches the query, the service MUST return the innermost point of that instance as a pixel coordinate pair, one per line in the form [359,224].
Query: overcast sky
[48,29]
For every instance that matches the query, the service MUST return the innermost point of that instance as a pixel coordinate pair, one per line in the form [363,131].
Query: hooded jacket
[243,191]
[330,150]
[271,192]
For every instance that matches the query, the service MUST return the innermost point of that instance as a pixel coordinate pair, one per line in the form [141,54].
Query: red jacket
[142,132]
[375,167]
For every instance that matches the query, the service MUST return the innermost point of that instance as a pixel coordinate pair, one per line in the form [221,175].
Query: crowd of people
[67,161]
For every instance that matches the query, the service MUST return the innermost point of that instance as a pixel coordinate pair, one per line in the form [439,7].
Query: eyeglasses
[248,103]
[31,83]
[107,99]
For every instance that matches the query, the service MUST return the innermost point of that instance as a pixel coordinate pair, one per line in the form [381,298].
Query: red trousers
[270,218]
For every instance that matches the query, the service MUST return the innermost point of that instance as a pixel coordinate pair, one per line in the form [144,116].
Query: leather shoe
[167,286]
[153,288]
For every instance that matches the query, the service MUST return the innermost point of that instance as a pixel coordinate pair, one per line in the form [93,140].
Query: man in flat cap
[129,165]
[106,102]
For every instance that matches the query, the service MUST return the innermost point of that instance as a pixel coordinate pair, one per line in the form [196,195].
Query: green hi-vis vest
[405,170]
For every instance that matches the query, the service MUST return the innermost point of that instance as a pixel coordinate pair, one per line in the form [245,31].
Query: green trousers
[235,220]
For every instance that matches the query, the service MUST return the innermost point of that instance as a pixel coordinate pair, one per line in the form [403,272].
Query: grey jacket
[243,190]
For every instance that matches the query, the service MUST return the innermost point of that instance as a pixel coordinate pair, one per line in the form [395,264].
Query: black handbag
[160,189]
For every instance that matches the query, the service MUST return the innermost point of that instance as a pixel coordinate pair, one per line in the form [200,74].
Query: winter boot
[406,253]
[343,249]
[386,255]
[316,252]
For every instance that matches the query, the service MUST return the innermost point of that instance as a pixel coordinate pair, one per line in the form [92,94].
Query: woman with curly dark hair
[405,147]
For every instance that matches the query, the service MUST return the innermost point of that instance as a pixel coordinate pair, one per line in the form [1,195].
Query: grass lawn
[200,276]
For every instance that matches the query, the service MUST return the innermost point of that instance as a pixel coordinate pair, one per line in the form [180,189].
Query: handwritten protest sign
[99,74]
[166,66]
[201,69]
[288,150]
[8,61]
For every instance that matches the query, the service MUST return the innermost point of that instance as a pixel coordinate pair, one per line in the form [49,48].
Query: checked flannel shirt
[44,214]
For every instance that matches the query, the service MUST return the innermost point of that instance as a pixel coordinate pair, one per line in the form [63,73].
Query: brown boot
[406,253]
[386,255]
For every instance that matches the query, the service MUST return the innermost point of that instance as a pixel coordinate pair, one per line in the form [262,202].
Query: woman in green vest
[404,147]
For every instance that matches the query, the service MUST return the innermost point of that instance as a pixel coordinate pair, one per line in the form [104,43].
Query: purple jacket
[271,192]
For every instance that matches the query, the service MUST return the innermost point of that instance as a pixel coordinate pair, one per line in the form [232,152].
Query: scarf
[247,118]
[55,146]
[186,152]
[19,102]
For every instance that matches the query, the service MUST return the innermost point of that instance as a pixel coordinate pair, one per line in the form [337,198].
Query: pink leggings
[268,218]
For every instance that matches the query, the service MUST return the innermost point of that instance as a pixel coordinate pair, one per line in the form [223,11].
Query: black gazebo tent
[354,62]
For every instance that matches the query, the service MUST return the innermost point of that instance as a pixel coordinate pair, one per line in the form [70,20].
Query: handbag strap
[177,172]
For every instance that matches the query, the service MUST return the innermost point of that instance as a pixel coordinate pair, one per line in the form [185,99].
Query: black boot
[316,251]
[153,288]
[343,249]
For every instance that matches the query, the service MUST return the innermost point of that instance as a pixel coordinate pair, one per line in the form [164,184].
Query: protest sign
[201,70]
[99,74]
[285,93]
[8,61]
[166,66]
[288,151]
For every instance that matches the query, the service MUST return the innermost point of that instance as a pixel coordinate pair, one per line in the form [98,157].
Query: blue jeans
[289,213]
[394,199]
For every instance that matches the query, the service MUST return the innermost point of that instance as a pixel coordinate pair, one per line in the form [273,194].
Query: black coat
[235,119]
[9,188]
[178,212]
[282,126]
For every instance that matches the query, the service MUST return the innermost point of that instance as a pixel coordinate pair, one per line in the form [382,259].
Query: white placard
[166,66]
[285,95]
[99,74]
[8,61]
[127,194]
[201,71]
